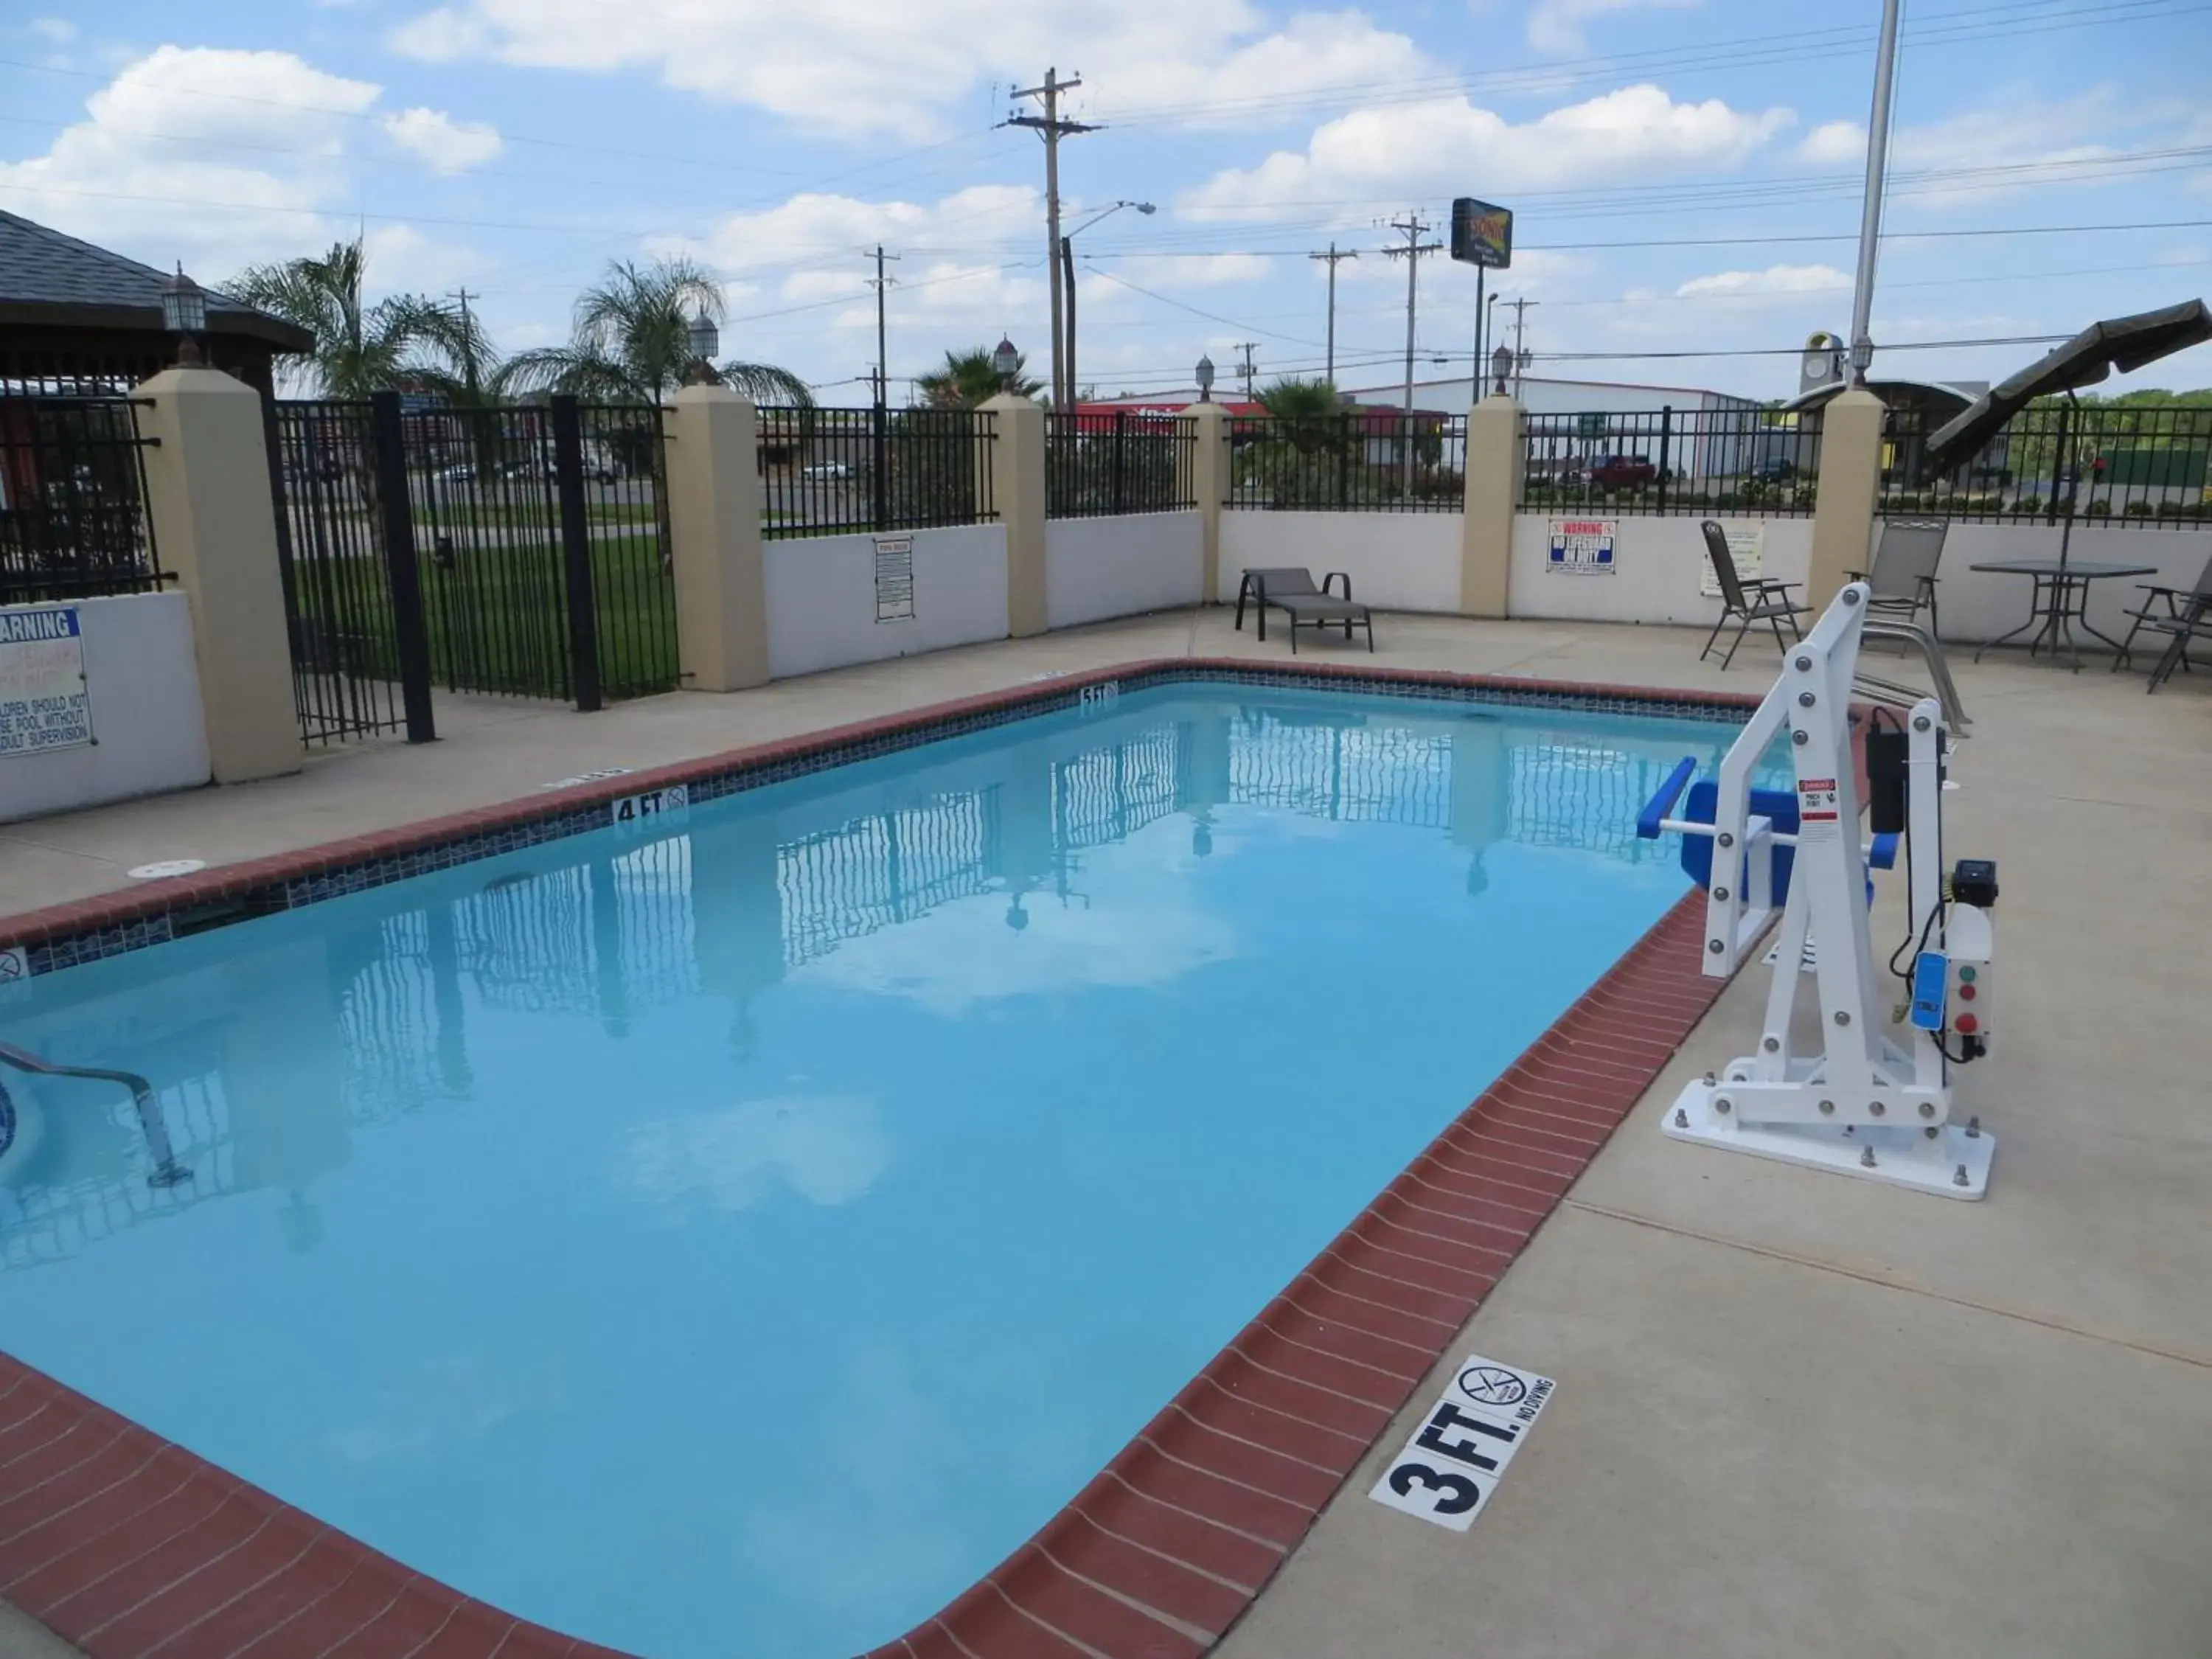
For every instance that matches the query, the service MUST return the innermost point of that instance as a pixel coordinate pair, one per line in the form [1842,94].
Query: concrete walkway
[1797,1414]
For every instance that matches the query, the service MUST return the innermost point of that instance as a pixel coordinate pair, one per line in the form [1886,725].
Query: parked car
[826,470]
[1622,472]
[1775,469]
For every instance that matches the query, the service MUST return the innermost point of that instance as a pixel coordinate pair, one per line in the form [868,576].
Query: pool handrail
[166,1171]
[1650,821]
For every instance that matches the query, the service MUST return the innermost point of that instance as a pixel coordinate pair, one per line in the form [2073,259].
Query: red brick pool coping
[130,1546]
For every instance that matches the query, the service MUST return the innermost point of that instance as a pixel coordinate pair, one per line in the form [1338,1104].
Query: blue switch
[1929,976]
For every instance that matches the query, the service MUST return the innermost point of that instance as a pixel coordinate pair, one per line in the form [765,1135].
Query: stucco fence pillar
[214,520]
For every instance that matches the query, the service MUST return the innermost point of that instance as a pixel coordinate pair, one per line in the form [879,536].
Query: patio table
[2060,596]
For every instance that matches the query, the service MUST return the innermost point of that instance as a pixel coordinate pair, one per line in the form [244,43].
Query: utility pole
[1333,256]
[882,362]
[1519,352]
[1410,228]
[1885,70]
[1248,347]
[1051,129]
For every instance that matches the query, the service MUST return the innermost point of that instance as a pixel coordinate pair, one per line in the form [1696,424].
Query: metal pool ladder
[166,1171]
[1938,671]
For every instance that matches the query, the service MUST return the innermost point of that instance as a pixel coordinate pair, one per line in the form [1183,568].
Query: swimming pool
[740,1235]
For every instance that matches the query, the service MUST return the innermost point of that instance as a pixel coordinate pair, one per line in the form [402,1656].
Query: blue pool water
[738,1240]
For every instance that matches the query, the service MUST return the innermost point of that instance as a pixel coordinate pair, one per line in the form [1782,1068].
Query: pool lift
[1864,1105]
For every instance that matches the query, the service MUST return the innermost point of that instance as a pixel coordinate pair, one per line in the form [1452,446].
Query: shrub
[2138,509]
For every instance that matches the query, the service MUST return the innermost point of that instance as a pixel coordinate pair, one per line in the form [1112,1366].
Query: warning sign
[1581,547]
[1457,1456]
[43,703]
[1817,800]
[1747,546]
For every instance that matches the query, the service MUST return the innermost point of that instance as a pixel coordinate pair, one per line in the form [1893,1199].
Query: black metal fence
[830,471]
[1368,460]
[73,518]
[338,602]
[1742,460]
[2145,466]
[1118,461]
[518,549]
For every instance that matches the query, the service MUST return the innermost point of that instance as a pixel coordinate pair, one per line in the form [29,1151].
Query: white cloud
[1775,280]
[1556,26]
[54,31]
[898,69]
[446,145]
[195,193]
[1412,150]
[262,172]
[1834,143]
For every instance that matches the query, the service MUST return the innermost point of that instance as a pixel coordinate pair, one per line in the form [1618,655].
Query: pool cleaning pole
[1884,69]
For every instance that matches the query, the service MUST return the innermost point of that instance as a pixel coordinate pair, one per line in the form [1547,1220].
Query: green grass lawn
[495,615]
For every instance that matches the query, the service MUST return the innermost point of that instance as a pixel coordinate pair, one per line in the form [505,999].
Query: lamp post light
[704,340]
[184,313]
[1068,280]
[1005,363]
[1487,331]
[1501,367]
[1206,379]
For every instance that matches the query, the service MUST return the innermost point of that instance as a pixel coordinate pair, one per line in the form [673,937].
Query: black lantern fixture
[704,340]
[184,313]
[1005,363]
[1206,379]
[1501,368]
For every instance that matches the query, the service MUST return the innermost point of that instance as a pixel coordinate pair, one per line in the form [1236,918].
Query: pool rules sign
[1456,1459]
[43,703]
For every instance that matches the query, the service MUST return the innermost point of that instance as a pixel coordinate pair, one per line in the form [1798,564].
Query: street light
[1005,362]
[1206,379]
[1489,327]
[1067,277]
[184,313]
[1501,367]
[704,340]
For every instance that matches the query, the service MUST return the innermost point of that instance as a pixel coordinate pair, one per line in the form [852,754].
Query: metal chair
[1764,600]
[2176,602]
[1904,574]
[2193,620]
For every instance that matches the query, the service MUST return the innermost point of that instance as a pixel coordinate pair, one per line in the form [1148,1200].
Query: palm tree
[970,378]
[630,342]
[1302,459]
[359,348]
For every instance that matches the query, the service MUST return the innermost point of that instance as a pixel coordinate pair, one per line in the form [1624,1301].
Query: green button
[1966,976]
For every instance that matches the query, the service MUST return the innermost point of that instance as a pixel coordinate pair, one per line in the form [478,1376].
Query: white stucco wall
[1120,567]
[1396,560]
[1659,564]
[822,598]
[145,695]
[1976,605]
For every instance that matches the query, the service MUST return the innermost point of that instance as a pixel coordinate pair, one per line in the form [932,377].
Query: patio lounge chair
[1904,574]
[2193,620]
[1765,600]
[1292,592]
[2162,609]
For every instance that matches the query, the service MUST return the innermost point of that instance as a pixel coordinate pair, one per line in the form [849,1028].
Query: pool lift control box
[1871,1099]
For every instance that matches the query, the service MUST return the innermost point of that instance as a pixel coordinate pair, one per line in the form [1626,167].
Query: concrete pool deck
[1795,1413]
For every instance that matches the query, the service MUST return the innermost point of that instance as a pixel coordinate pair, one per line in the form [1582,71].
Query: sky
[1685,174]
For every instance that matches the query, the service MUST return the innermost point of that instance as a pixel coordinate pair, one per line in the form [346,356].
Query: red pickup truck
[1622,472]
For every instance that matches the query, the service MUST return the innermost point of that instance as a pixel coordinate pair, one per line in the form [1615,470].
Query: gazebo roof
[50,280]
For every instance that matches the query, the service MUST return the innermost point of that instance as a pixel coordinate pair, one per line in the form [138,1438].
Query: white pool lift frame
[1864,1104]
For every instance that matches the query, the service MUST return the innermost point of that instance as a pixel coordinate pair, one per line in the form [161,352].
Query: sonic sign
[1481,233]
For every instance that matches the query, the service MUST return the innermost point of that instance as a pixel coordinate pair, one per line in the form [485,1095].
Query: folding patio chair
[1765,600]
[1904,574]
[2161,606]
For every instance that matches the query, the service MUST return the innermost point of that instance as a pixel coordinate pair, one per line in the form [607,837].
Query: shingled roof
[48,278]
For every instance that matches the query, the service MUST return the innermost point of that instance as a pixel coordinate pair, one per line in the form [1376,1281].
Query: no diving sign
[1456,1459]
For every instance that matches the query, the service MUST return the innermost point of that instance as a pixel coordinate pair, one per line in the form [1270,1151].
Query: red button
[1968,1022]
[1965,993]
